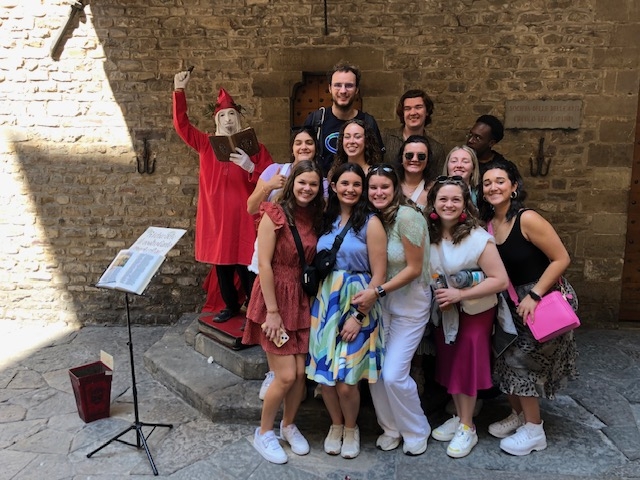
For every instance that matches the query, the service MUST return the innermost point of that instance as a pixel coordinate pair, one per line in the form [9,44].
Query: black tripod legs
[141,440]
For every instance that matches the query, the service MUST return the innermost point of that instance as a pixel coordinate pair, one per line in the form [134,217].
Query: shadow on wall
[68,215]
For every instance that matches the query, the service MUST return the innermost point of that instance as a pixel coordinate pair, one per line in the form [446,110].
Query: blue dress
[331,359]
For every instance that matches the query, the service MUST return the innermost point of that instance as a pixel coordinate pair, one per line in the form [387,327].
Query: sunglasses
[385,168]
[453,179]
[421,156]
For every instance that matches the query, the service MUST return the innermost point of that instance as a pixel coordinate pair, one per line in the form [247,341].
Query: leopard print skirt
[529,368]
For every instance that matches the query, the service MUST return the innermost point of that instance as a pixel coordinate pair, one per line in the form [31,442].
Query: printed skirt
[331,359]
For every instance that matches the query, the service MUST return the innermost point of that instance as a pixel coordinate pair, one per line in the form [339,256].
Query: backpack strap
[317,120]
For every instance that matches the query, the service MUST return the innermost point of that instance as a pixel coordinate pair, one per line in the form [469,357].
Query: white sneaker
[387,442]
[268,446]
[527,438]
[333,441]
[507,426]
[268,378]
[350,442]
[294,438]
[414,448]
[446,431]
[463,441]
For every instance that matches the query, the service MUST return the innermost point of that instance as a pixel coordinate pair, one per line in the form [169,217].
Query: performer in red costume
[225,232]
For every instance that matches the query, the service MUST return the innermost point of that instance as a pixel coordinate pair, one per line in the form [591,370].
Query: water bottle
[467,278]
[440,282]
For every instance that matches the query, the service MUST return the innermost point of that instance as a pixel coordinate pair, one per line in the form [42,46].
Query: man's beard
[347,107]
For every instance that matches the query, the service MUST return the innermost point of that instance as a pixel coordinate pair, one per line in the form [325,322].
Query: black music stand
[141,440]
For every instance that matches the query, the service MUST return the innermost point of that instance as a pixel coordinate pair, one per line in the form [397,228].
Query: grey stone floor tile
[49,467]
[27,379]
[13,462]
[11,413]
[115,461]
[6,375]
[68,422]
[46,441]
[13,432]
[51,401]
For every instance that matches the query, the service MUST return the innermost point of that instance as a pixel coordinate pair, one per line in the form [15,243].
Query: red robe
[225,232]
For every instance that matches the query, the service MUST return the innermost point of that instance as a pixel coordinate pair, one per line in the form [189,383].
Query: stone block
[612,178]
[603,201]
[604,246]
[609,223]
[602,269]
[250,363]
[275,84]
[616,131]
[616,57]
[602,155]
[627,82]
[323,59]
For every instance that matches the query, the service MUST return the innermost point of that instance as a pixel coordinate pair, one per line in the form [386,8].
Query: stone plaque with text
[543,114]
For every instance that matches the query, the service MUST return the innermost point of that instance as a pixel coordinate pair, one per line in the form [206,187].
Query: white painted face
[227,121]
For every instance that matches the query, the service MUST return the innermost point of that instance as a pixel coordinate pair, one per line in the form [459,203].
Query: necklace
[408,189]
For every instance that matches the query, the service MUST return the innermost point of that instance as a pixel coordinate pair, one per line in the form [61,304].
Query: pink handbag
[553,315]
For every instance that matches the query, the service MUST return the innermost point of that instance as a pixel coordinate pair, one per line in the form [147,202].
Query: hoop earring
[434,216]
[513,195]
[462,217]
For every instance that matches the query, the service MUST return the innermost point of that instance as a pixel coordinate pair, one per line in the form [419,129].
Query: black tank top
[524,262]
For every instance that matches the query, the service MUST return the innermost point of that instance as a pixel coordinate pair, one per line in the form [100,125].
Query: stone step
[230,392]
[214,390]
[248,363]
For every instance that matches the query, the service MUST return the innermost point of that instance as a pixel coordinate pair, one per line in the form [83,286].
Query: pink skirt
[465,366]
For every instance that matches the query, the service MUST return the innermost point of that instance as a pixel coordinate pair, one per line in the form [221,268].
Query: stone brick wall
[72,127]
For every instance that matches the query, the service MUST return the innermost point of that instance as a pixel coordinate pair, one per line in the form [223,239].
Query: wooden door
[630,298]
[310,95]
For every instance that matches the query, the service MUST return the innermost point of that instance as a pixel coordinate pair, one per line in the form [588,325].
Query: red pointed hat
[225,101]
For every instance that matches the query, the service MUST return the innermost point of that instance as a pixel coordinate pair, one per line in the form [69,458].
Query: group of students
[402,227]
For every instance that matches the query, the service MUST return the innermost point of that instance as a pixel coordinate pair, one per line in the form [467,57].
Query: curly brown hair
[462,229]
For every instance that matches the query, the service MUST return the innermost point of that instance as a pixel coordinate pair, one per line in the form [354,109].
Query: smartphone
[281,338]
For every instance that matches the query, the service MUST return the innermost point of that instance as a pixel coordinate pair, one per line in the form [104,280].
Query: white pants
[395,395]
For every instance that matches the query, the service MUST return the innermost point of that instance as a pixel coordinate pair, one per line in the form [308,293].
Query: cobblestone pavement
[592,429]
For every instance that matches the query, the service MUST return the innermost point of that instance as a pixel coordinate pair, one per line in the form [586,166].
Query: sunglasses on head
[453,179]
[421,156]
[385,168]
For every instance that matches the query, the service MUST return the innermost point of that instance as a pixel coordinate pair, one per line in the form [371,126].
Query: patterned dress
[529,368]
[293,303]
[331,359]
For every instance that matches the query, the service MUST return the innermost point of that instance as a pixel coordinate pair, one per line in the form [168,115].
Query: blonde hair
[475,175]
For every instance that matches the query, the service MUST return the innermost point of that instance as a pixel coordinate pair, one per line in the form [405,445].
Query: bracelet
[380,292]
[273,311]
[354,316]
[535,296]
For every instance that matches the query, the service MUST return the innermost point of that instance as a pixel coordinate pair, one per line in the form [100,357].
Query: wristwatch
[358,315]
[535,296]
[380,291]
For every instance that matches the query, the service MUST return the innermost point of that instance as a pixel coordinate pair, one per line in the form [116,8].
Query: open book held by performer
[225,145]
